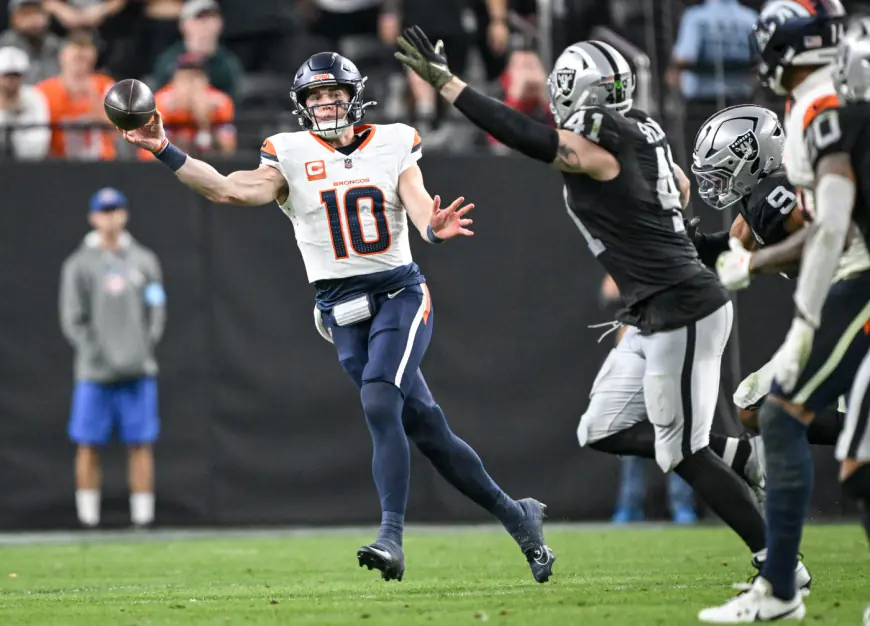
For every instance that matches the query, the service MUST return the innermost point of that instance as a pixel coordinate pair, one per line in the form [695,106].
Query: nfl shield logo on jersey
[348,163]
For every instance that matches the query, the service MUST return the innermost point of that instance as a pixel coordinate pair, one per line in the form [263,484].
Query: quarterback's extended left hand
[733,266]
[450,221]
[790,359]
[428,62]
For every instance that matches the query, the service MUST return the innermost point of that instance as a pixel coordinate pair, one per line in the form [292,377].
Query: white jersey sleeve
[345,208]
[814,95]
[415,144]
[268,154]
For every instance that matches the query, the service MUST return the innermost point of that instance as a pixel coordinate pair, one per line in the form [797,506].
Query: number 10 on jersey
[355,199]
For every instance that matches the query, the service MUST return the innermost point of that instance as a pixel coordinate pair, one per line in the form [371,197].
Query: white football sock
[142,508]
[88,506]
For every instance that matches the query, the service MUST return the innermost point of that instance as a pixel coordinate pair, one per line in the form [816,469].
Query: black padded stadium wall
[259,424]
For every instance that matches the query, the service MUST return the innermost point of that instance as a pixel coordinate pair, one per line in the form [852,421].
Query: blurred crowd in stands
[221,69]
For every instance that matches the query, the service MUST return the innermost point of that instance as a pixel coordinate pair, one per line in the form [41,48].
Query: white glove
[790,359]
[322,330]
[733,266]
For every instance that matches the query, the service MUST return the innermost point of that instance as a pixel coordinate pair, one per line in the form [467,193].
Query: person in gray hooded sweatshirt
[112,311]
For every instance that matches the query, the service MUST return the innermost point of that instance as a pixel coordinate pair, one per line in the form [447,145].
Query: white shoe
[867,616]
[758,604]
[756,471]
[803,580]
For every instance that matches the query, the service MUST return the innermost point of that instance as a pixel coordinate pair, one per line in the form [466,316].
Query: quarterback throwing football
[348,188]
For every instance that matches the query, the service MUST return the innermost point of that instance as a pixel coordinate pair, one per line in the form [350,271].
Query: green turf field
[453,577]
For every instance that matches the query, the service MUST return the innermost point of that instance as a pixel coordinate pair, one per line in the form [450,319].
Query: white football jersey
[815,94]
[345,210]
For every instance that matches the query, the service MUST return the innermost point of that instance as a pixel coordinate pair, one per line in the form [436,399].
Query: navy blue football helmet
[327,69]
[796,33]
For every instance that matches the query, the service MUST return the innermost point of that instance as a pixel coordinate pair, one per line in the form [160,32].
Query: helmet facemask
[347,114]
[716,185]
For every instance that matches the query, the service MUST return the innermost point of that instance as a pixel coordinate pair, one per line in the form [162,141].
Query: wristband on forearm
[431,237]
[170,156]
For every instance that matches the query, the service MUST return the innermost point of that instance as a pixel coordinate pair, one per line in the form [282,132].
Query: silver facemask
[733,150]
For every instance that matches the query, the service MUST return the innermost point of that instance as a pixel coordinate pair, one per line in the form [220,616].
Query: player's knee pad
[857,485]
[382,403]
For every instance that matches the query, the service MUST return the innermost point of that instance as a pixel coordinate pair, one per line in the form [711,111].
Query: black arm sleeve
[710,246]
[509,126]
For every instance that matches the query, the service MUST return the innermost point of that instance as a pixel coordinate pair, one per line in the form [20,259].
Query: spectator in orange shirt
[75,97]
[198,118]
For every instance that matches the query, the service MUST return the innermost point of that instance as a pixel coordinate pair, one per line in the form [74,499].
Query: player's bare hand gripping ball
[150,137]
[450,221]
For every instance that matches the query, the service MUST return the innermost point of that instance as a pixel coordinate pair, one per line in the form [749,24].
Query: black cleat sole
[372,561]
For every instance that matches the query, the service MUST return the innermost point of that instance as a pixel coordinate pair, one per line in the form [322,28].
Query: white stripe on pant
[854,441]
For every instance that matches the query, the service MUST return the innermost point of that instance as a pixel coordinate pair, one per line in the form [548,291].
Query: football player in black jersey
[737,162]
[625,195]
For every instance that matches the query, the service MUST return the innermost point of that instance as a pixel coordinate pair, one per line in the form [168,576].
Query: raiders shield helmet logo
[565,80]
[745,146]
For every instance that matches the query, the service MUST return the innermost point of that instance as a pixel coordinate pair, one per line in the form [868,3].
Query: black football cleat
[384,556]
[530,535]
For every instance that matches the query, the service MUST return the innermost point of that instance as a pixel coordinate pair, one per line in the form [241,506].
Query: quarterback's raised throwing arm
[245,187]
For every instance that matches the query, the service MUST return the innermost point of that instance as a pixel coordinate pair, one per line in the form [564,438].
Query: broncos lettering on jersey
[815,95]
[633,224]
[345,208]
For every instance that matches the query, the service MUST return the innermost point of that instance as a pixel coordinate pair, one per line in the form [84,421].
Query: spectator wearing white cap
[201,24]
[24,130]
[28,30]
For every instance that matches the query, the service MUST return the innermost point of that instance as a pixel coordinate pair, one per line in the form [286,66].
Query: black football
[129,104]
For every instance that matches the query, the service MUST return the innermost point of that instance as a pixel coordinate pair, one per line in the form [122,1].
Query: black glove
[709,246]
[428,62]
